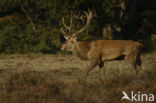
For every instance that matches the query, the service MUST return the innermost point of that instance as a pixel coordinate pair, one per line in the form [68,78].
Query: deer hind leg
[139,62]
[91,67]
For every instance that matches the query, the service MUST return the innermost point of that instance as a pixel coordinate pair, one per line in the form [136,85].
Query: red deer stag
[99,51]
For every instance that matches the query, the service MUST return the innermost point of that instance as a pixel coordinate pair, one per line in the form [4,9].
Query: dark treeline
[33,26]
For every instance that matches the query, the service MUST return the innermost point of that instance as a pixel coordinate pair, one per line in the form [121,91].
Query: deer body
[105,49]
[99,51]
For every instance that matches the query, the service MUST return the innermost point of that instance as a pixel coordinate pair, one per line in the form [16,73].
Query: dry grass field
[38,78]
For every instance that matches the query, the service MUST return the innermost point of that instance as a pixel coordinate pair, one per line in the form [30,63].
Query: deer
[100,51]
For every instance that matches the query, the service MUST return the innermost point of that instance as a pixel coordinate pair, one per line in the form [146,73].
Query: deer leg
[101,66]
[139,62]
[132,60]
[91,67]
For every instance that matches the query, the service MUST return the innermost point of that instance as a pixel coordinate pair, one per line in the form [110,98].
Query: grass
[42,87]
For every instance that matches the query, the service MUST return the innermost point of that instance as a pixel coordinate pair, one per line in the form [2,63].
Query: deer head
[71,37]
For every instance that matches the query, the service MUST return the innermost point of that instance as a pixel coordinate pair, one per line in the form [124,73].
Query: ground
[69,70]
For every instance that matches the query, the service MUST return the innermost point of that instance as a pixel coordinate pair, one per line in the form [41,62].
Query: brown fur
[100,51]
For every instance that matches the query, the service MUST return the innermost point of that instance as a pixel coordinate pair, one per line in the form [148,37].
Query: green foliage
[17,36]
[28,41]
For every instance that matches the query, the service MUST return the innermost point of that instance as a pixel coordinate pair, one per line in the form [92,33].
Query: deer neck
[74,51]
[80,50]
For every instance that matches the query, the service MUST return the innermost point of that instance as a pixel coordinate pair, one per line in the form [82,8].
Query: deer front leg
[132,60]
[91,67]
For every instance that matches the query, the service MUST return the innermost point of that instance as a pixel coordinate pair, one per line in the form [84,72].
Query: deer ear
[66,37]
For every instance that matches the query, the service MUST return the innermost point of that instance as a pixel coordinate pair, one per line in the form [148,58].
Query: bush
[15,40]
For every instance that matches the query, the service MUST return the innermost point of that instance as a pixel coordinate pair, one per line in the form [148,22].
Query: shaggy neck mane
[81,49]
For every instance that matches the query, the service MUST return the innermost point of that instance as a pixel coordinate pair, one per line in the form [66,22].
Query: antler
[89,16]
[68,28]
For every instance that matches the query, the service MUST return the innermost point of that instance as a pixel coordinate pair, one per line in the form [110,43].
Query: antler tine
[89,16]
[77,16]
[63,32]
[66,36]
[68,28]
[71,22]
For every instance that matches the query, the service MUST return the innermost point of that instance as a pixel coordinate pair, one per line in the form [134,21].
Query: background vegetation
[33,26]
